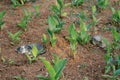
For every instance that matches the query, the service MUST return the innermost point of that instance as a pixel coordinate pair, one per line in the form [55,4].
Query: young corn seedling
[116,42]
[55,70]
[33,56]
[113,67]
[83,36]
[1,19]
[82,16]
[37,8]
[44,39]
[54,25]
[15,37]
[112,62]
[73,39]
[116,16]
[27,14]
[23,23]
[77,3]
[53,38]
[95,20]
[58,8]
[102,4]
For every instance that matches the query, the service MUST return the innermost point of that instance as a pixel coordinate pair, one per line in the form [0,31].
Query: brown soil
[89,60]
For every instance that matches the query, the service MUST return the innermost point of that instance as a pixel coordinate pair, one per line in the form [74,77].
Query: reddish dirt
[89,60]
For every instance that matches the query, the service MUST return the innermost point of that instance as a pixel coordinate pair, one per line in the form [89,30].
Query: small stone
[26,49]
[97,40]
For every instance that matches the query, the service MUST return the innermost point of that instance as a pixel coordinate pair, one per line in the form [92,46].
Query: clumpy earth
[89,61]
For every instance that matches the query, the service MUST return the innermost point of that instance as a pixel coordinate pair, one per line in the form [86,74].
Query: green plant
[116,42]
[33,56]
[7,61]
[82,16]
[14,37]
[44,39]
[54,25]
[23,23]
[18,2]
[1,18]
[37,8]
[112,68]
[54,71]
[73,38]
[27,14]
[53,38]
[83,36]
[95,20]
[113,65]
[77,2]
[116,16]
[11,61]
[102,3]
[57,9]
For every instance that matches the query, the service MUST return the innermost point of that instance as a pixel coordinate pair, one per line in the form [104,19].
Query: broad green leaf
[115,34]
[60,66]
[29,58]
[2,14]
[49,67]
[34,51]
[17,34]
[117,72]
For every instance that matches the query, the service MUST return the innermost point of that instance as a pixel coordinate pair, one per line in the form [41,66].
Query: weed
[77,2]
[83,36]
[1,18]
[14,37]
[102,4]
[73,38]
[116,16]
[54,71]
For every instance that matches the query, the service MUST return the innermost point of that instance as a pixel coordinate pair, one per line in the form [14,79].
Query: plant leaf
[60,67]
[117,72]
[49,67]
[34,51]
